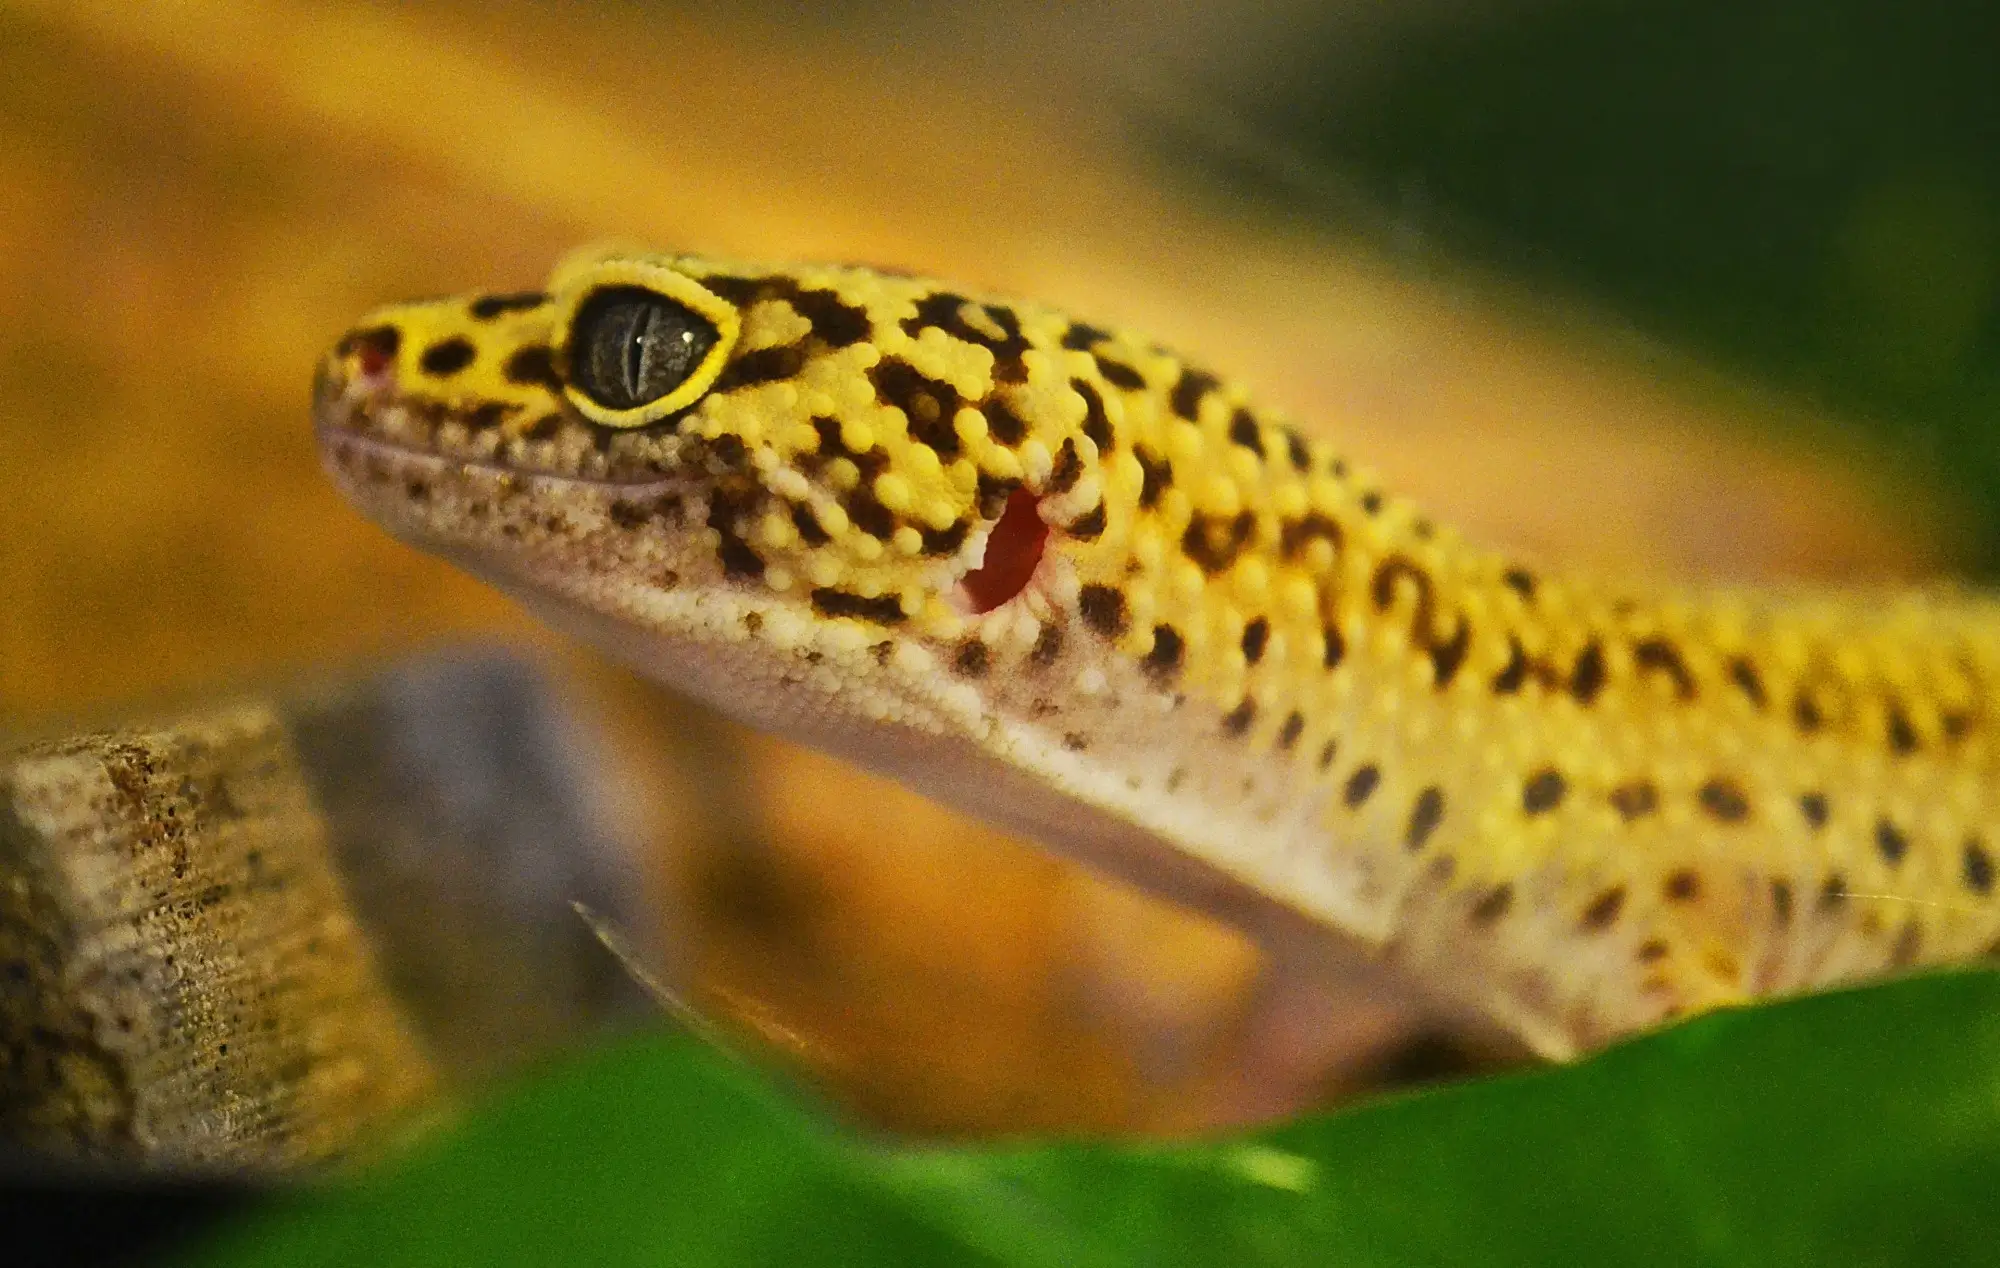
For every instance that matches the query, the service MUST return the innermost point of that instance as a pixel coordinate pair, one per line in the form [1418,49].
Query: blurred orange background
[195,199]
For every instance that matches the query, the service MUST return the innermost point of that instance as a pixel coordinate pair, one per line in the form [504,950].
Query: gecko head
[824,455]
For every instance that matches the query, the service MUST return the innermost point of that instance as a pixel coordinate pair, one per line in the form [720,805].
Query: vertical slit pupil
[635,352]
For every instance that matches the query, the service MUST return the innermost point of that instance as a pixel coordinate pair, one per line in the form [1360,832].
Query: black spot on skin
[866,512]
[1103,609]
[835,322]
[993,494]
[1074,741]
[1781,900]
[883,609]
[729,450]
[1446,654]
[1296,450]
[809,528]
[1635,800]
[1096,423]
[972,659]
[1651,951]
[1391,570]
[1904,952]
[1813,806]
[1066,471]
[1371,503]
[1243,431]
[1255,636]
[1587,679]
[929,404]
[830,443]
[1747,680]
[1295,535]
[417,491]
[765,365]
[1188,390]
[1082,337]
[1119,375]
[1156,476]
[1543,791]
[1657,655]
[1048,646]
[744,291]
[1493,905]
[1806,713]
[1976,867]
[447,357]
[1890,842]
[1683,886]
[487,307]
[946,311]
[1360,785]
[1003,424]
[547,427]
[489,415]
[1088,526]
[945,541]
[1425,816]
[1288,735]
[1902,736]
[1833,893]
[533,366]
[1238,720]
[1169,647]
[629,515]
[1332,648]
[1214,543]
[1603,910]
[738,560]
[1515,673]
[1327,753]
[1520,581]
[1446,657]
[1724,801]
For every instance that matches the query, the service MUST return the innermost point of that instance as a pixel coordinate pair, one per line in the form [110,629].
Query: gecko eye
[631,346]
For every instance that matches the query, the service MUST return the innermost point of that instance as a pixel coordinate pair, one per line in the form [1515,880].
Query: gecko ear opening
[1013,549]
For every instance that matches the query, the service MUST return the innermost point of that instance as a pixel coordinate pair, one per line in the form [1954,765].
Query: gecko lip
[336,437]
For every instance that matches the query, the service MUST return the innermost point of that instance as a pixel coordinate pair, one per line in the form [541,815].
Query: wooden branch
[181,978]
[254,936]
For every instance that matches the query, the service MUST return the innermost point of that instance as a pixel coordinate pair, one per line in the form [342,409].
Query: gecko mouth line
[331,436]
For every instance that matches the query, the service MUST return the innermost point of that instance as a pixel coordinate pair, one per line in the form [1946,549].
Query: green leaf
[1859,1128]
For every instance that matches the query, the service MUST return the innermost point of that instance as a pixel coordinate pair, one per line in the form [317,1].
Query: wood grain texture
[184,983]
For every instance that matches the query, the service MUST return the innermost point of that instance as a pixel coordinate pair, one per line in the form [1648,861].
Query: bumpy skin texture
[1237,672]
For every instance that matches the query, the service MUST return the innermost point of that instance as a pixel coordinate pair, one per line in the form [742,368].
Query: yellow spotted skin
[1239,672]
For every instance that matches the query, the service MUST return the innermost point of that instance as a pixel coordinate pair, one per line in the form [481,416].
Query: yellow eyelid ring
[586,287]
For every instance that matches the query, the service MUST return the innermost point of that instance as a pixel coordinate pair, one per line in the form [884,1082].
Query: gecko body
[1066,579]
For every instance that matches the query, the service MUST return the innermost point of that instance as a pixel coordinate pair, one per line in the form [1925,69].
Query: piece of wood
[182,982]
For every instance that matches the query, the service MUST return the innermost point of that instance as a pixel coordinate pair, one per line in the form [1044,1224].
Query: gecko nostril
[374,349]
